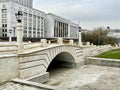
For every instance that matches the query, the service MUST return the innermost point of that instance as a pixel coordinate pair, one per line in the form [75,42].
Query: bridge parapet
[46,43]
[6,48]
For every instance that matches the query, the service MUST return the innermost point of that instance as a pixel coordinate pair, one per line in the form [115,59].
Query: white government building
[115,33]
[36,24]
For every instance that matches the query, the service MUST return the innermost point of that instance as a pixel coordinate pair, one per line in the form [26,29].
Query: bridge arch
[62,59]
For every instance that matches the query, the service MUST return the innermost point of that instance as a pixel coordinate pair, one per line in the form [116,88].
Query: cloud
[86,11]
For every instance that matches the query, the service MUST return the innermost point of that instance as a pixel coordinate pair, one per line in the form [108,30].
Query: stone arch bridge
[34,64]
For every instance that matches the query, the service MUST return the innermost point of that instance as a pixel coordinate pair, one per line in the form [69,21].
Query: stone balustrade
[44,42]
[59,40]
[71,42]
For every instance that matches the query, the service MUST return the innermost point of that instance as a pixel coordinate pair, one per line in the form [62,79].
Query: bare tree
[98,36]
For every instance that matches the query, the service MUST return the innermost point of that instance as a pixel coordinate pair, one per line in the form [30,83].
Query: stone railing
[8,49]
[89,50]
[45,43]
[95,50]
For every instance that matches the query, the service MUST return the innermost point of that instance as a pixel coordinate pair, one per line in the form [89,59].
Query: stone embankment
[87,77]
[102,62]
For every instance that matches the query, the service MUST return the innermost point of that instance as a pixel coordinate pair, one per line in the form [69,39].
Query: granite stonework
[102,62]
[9,68]
[37,62]
[34,61]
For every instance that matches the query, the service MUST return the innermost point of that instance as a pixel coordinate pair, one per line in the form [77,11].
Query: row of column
[60,29]
[36,26]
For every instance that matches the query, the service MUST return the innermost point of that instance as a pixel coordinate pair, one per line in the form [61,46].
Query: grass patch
[113,54]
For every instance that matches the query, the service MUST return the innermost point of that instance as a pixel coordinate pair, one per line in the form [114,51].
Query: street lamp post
[19,31]
[10,37]
[80,37]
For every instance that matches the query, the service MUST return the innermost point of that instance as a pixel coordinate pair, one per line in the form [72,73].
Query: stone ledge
[102,62]
[39,85]
[8,56]
[41,78]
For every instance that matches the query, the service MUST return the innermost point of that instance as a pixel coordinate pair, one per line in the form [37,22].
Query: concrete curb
[102,62]
[39,85]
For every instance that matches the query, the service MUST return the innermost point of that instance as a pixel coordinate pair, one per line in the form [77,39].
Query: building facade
[74,30]
[33,20]
[36,24]
[28,3]
[115,33]
[57,26]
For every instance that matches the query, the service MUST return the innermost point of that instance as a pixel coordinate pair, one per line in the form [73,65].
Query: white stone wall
[9,66]
[102,62]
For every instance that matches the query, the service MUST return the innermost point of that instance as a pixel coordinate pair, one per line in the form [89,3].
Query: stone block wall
[102,62]
[9,66]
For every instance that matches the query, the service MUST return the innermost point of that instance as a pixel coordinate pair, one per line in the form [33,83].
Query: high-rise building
[36,24]
[28,3]
[33,20]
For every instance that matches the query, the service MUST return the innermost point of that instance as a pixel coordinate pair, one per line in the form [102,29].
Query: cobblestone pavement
[13,86]
[87,77]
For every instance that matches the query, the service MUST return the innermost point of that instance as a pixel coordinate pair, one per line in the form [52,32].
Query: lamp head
[19,16]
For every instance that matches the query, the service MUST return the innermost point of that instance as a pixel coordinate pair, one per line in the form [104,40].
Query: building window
[4,25]
[2,30]
[4,15]
[5,35]
[4,5]
[4,10]
[4,20]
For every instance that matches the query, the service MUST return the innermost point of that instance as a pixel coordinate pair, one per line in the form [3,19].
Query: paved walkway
[87,77]
[13,86]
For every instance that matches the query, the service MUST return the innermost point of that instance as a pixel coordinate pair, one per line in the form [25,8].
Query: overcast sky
[89,13]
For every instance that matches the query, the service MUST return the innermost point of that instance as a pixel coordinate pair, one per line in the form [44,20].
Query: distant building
[85,31]
[36,24]
[56,26]
[115,33]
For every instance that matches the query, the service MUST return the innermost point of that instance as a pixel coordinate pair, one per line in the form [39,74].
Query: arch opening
[63,59]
